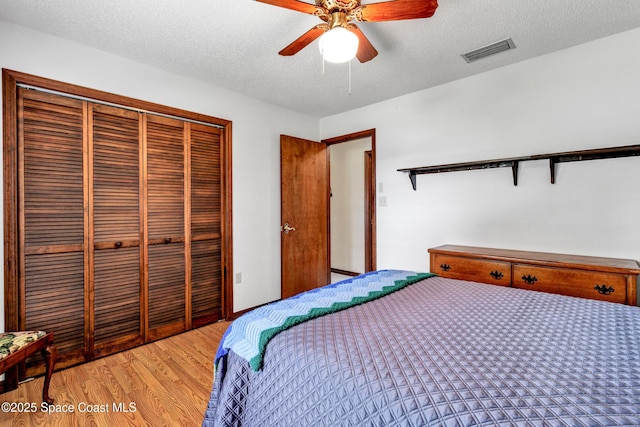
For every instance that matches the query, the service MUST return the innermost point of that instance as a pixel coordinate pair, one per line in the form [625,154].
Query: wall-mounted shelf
[513,162]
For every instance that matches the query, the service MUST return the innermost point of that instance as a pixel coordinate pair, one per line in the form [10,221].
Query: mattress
[443,352]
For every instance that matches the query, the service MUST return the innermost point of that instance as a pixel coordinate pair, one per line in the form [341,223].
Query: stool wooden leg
[50,353]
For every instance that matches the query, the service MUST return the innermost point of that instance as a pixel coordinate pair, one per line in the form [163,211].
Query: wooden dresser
[608,279]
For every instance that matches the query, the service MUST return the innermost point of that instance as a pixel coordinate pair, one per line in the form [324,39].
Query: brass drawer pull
[118,245]
[496,275]
[529,279]
[445,267]
[604,289]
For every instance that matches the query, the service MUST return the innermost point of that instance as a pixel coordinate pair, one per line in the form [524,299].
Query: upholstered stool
[16,347]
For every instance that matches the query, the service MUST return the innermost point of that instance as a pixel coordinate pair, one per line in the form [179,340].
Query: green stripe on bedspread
[249,335]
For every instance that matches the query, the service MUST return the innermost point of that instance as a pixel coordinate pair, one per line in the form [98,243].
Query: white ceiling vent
[489,50]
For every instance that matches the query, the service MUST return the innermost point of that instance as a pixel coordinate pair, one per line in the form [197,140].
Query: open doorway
[352,204]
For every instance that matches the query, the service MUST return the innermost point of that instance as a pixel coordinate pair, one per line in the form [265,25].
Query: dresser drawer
[476,270]
[578,283]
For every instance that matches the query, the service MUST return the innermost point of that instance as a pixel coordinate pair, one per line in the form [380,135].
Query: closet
[120,224]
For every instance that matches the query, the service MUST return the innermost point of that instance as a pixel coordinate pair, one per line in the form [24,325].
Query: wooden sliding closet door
[117,224]
[206,224]
[115,279]
[51,219]
[166,224]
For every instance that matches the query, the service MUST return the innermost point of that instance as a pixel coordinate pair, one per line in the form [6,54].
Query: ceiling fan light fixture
[338,45]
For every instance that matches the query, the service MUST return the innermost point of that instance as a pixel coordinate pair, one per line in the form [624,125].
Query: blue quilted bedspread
[443,353]
[249,335]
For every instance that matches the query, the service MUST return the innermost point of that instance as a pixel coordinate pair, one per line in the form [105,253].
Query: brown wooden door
[166,225]
[115,281]
[206,224]
[116,222]
[51,223]
[370,213]
[304,189]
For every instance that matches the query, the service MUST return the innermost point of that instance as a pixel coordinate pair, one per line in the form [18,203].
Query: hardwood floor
[164,383]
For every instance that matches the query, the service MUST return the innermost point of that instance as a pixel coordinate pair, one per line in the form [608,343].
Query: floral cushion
[10,342]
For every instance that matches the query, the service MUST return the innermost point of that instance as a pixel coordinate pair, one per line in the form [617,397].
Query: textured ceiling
[235,43]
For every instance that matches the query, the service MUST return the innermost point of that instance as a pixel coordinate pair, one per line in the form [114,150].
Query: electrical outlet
[238,278]
[382,201]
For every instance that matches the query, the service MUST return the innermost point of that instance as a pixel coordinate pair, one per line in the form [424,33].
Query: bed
[427,350]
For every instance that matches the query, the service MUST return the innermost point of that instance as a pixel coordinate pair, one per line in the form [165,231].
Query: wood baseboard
[345,272]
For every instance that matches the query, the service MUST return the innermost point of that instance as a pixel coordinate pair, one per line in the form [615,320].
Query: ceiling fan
[338,14]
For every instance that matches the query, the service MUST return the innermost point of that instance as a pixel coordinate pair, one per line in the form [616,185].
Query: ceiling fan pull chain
[349,77]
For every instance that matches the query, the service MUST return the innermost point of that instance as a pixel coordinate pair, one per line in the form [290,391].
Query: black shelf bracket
[552,168]
[514,162]
[412,177]
[514,171]
[579,156]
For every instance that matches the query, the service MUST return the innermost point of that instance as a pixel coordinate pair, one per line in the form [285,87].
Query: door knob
[287,228]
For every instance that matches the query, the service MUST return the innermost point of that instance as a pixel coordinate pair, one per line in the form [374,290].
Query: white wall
[347,204]
[256,137]
[580,98]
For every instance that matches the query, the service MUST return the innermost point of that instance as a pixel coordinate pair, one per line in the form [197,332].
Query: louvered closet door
[206,222]
[116,229]
[166,226]
[51,219]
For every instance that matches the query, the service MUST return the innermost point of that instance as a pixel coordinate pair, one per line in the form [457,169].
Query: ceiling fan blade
[398,9]
[366,51]
[296,5]
[302,41]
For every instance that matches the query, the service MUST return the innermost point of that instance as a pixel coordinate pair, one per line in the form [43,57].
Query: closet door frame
[10,82]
